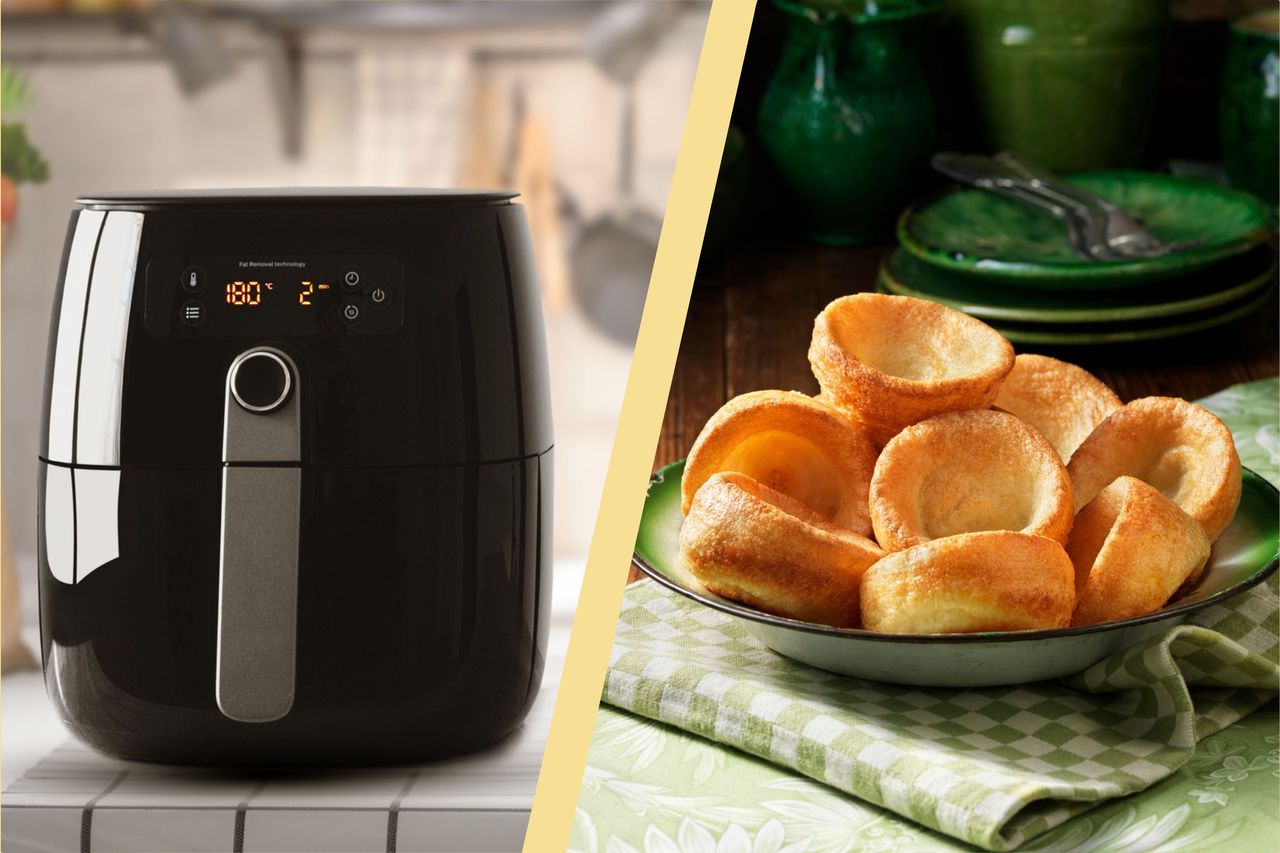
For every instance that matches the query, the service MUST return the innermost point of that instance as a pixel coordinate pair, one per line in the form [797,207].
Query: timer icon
[351,278]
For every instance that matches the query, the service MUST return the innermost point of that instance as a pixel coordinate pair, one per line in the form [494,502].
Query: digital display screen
[266,295]
[251,293]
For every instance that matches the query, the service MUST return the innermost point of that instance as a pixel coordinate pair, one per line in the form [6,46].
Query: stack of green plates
[1010,264]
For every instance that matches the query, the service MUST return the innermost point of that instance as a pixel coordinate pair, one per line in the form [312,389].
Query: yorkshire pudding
[747,542]
[793,444]
[992,581]
[1132,549]
[964,472]
[1176,446]
[891,361]
[1061,400]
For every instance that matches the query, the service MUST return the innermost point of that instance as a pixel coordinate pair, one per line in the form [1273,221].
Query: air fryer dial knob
[261,381]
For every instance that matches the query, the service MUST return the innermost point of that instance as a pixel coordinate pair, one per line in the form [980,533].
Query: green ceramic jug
[1071,85]
[847,118]
[1250,110]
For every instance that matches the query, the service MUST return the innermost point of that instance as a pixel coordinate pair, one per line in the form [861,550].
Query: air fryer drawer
[420,620]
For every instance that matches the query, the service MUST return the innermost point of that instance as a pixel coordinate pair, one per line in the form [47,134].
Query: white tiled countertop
[479,802]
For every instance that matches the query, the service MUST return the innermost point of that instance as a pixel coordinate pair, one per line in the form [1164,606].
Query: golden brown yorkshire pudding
[891,361]
[752,544]
[964,472]
[1178,447]
[793,444]
[1061,400]
[992,581]
[1132,549]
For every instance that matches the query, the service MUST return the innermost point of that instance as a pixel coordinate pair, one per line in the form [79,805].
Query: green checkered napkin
[995,766]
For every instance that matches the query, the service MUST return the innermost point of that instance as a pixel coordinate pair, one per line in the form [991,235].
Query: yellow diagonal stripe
[646,395]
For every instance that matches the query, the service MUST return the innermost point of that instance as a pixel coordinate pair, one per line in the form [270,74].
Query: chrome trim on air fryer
[70,331]
[59,524]
[97,495]
[102,350]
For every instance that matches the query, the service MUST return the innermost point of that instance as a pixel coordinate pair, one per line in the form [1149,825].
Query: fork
[1123,235]
[984,173]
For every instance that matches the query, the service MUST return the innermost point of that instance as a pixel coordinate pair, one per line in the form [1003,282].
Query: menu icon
[192,312]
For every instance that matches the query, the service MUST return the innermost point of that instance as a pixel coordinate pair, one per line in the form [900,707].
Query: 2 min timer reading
[250,293]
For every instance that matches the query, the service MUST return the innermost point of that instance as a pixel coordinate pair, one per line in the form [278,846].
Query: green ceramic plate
[1077,336]
[1245,555]
[980,234]
[1224,282]
[1114,333]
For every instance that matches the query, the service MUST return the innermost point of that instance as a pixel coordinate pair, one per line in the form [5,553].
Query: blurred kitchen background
[578,105]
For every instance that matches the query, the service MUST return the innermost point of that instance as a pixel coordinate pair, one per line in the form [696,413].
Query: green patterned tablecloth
[1000,769]
[651,788]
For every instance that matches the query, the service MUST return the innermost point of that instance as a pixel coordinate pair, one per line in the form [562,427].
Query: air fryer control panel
[268,295]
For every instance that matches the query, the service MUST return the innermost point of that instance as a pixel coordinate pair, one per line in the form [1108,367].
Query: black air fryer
[295,488]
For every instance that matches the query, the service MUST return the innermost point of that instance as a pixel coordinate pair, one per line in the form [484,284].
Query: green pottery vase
[1071,85]
[1250,110]
[847,118]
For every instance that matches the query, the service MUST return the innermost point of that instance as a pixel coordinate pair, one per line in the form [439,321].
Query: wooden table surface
[751,316]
